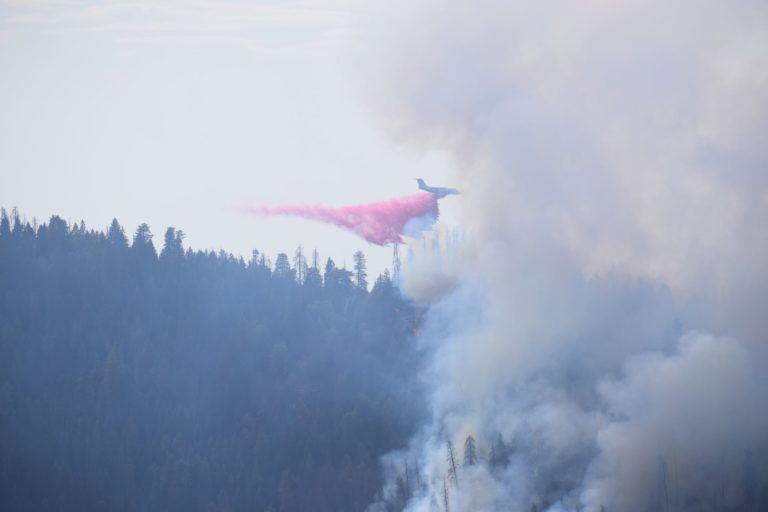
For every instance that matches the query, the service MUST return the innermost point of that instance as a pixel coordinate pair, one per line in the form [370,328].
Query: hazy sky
[175,112]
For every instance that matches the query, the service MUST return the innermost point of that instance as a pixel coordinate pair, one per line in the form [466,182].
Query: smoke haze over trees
[600,343]
[193,380]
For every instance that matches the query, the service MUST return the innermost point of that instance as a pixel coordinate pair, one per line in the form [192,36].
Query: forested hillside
[191,380]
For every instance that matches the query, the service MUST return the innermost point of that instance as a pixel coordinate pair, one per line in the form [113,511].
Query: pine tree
[173,248]
[360,271]
[283,266]
[330,269]
[142,241]
[5,224]
[383,285]
[116,235]
[499,453]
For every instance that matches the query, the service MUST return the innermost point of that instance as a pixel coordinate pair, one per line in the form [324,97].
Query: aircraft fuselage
[440,192]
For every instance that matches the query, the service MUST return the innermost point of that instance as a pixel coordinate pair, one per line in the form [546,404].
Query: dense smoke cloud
[605,344]
[379,223]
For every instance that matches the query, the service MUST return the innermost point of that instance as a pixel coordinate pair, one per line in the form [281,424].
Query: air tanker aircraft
[440,192]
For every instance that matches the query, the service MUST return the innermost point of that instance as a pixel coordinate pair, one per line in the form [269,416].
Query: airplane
[440,192]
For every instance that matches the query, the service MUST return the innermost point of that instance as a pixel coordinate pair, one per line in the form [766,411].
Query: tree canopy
[193,380]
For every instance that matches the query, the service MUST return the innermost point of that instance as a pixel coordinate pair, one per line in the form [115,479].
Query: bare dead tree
[470,451]
[452,473]
[445,496]
[300,264]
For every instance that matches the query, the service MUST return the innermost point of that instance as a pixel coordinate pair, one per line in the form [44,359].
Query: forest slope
[193,380]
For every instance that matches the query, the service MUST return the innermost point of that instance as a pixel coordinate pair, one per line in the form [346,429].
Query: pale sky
[176,112]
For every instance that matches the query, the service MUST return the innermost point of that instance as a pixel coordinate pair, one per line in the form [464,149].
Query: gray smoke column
[603,341]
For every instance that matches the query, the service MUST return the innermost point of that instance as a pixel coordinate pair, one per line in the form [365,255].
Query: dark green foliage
[283,267]
[115,235]
[172,245]
[5,224]
[192,381]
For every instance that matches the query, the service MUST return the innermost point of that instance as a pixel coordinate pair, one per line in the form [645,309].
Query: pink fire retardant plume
[379,223]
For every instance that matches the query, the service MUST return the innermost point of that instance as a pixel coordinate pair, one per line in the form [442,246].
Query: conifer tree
[116,235]
[360,271]
[282,266]
[173,248]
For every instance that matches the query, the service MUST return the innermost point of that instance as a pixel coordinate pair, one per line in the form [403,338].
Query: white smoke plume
[604,339]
